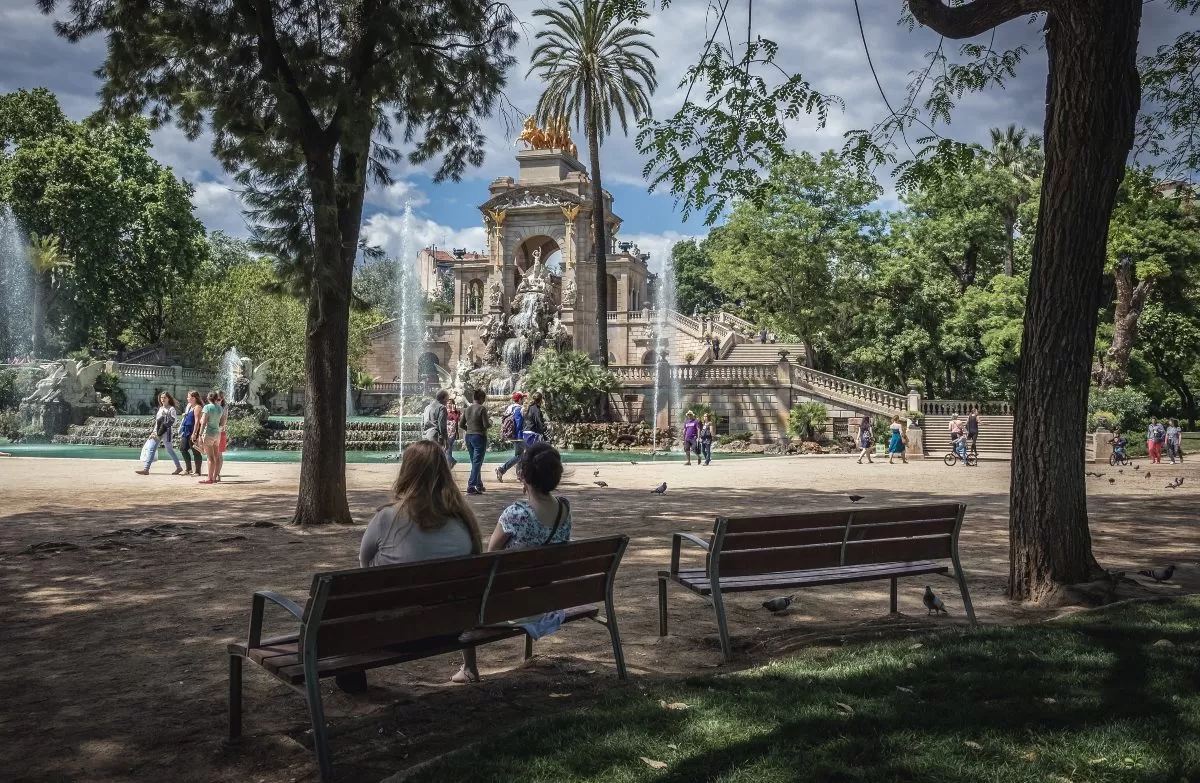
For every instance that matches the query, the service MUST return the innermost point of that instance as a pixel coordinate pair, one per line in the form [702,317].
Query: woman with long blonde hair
[428,518]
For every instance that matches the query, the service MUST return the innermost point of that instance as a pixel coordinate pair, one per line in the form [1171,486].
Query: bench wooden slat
[697,580]
[734,542]
[905,529]
[364,632]
[897,549]
[765,561]
[770,523]
[517,604]
[864,516]
[365,580]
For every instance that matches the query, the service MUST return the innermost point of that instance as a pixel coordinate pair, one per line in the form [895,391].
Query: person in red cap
[511,426]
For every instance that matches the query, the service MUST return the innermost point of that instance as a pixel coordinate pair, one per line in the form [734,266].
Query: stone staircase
[100,431]
[995,436]
[760,353]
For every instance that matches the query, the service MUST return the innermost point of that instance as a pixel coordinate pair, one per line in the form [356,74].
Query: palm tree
[1019,153]
[49,265]
[596,63]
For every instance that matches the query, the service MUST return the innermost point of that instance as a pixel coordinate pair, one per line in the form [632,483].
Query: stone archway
[427,368]
[549,247]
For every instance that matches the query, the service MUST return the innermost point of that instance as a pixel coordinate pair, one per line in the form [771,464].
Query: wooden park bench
[366,618]
[786,551]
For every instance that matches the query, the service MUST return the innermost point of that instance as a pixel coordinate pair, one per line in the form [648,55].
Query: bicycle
[951,458]
[1119,458]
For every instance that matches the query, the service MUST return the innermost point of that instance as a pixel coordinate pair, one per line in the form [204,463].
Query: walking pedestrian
[512,430]
[973,428]
[1174,441]
[434,421]
[163,433]
[534,421]
[691,435]
[897,443]
[476,422]
[210,430]
[865,438]
[452,419]
[707,433]
[1156,435]
[189,436]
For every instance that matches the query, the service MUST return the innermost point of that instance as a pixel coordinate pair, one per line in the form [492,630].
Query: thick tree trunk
[322,495]
[1010,227]
[1131,298]
[600,238]
[1091,103]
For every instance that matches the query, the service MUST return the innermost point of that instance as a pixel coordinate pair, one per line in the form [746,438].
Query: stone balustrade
[852,390]
[963,407]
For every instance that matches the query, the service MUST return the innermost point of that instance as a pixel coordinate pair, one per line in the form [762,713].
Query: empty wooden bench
[785,551]
[371,617]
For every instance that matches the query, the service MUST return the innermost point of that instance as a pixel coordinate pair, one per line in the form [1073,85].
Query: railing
[150,371]
[395,387]
[848,389]
[635,374]
[963,407]
[736,322]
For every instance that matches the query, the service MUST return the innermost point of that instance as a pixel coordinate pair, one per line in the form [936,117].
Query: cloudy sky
[819,38]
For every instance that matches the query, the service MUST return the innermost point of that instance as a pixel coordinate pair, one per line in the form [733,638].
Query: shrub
[33,434]
[916,417]
[881,429]
[702,408]
[10,425]
[806,419]
[10,397]
[246,431]
[725,440]
[109,385]
[1129,406]
[572,386]
[1106,419]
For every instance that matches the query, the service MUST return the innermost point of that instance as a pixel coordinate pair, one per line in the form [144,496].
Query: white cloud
[657,245]
[219,208]
[387,230]
[397,194]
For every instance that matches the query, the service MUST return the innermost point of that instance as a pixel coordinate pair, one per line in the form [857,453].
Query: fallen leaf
[652,763]
[672,746]
[1164,643]
[973,744]
[1049,700]
[1100,760]
[559,695]
[1030,757]
[1061,779]
[844,707]
[902,688]
[674,705]
[916,646]
[590,671]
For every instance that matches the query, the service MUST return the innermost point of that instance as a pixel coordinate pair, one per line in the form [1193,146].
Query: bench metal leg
[235,696]
[316,711]
[892,605]
[528,647]
[722,628]
[662,606]
[966,595]
[610,620]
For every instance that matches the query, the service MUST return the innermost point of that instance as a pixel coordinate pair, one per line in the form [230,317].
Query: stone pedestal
[1101,448]
[56,416]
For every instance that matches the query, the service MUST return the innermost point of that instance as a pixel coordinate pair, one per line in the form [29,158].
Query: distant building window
[475,297]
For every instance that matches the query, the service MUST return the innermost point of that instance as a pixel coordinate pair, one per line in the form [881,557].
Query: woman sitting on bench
[538,520]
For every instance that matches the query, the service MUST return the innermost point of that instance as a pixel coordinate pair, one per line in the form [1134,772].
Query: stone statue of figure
[569,293]
[495,293]
[537,256]
[696,312]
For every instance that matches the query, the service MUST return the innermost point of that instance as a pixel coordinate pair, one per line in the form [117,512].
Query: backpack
[508,424]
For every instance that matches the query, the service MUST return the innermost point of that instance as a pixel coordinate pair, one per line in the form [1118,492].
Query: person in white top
[163,433]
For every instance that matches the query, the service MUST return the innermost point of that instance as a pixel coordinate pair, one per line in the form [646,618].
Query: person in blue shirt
[1119,442]
[511,429]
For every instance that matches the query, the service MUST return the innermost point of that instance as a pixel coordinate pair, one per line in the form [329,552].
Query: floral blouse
[525,529]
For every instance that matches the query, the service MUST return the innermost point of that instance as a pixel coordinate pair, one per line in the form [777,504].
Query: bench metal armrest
[258,604]
[677,540]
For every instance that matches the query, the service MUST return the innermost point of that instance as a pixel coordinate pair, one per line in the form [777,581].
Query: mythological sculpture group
[555,136]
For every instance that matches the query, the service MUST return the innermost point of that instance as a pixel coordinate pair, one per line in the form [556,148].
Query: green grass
[1089,698]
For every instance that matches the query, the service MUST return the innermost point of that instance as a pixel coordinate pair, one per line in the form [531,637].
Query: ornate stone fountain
[511,343]
[66,396]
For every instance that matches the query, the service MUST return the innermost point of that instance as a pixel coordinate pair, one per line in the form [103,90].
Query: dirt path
[113,636]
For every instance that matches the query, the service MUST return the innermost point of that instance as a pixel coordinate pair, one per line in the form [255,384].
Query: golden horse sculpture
[556,136]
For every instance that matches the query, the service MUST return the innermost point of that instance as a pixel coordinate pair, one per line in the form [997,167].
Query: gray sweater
[390,540]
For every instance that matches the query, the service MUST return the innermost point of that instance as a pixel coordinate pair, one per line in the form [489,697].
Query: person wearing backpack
[511,429]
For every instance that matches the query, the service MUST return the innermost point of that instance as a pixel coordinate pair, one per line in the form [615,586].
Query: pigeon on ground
[933,603]
[1120,470]
[1135,467]
[778,604]
[855,498]
[632,462]
[1112,481]
[1159,574]
[1147,474]
[600,483]
[596,472]
[1178,482]
[661,489]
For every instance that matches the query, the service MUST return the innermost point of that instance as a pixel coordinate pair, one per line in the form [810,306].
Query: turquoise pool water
[72,451]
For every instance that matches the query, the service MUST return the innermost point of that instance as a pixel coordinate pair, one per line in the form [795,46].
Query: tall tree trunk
[598,232]
[1131,298]
[322,495]
[1092,99]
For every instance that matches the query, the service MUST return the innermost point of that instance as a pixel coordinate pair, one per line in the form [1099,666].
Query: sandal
[205,481]
[463,676]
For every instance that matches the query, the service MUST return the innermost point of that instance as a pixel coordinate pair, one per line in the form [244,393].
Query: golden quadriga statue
[555,136]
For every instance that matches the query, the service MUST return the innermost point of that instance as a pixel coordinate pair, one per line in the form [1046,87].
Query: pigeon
[1135,467]
[1120,470]
[855,498]
[1112,481]
[661,489]
[600,483]
[1178,482]
[1147,474]
[632,462]
[933,603]
[1159,574]
[778,604]
[1097,475]
[596,473]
